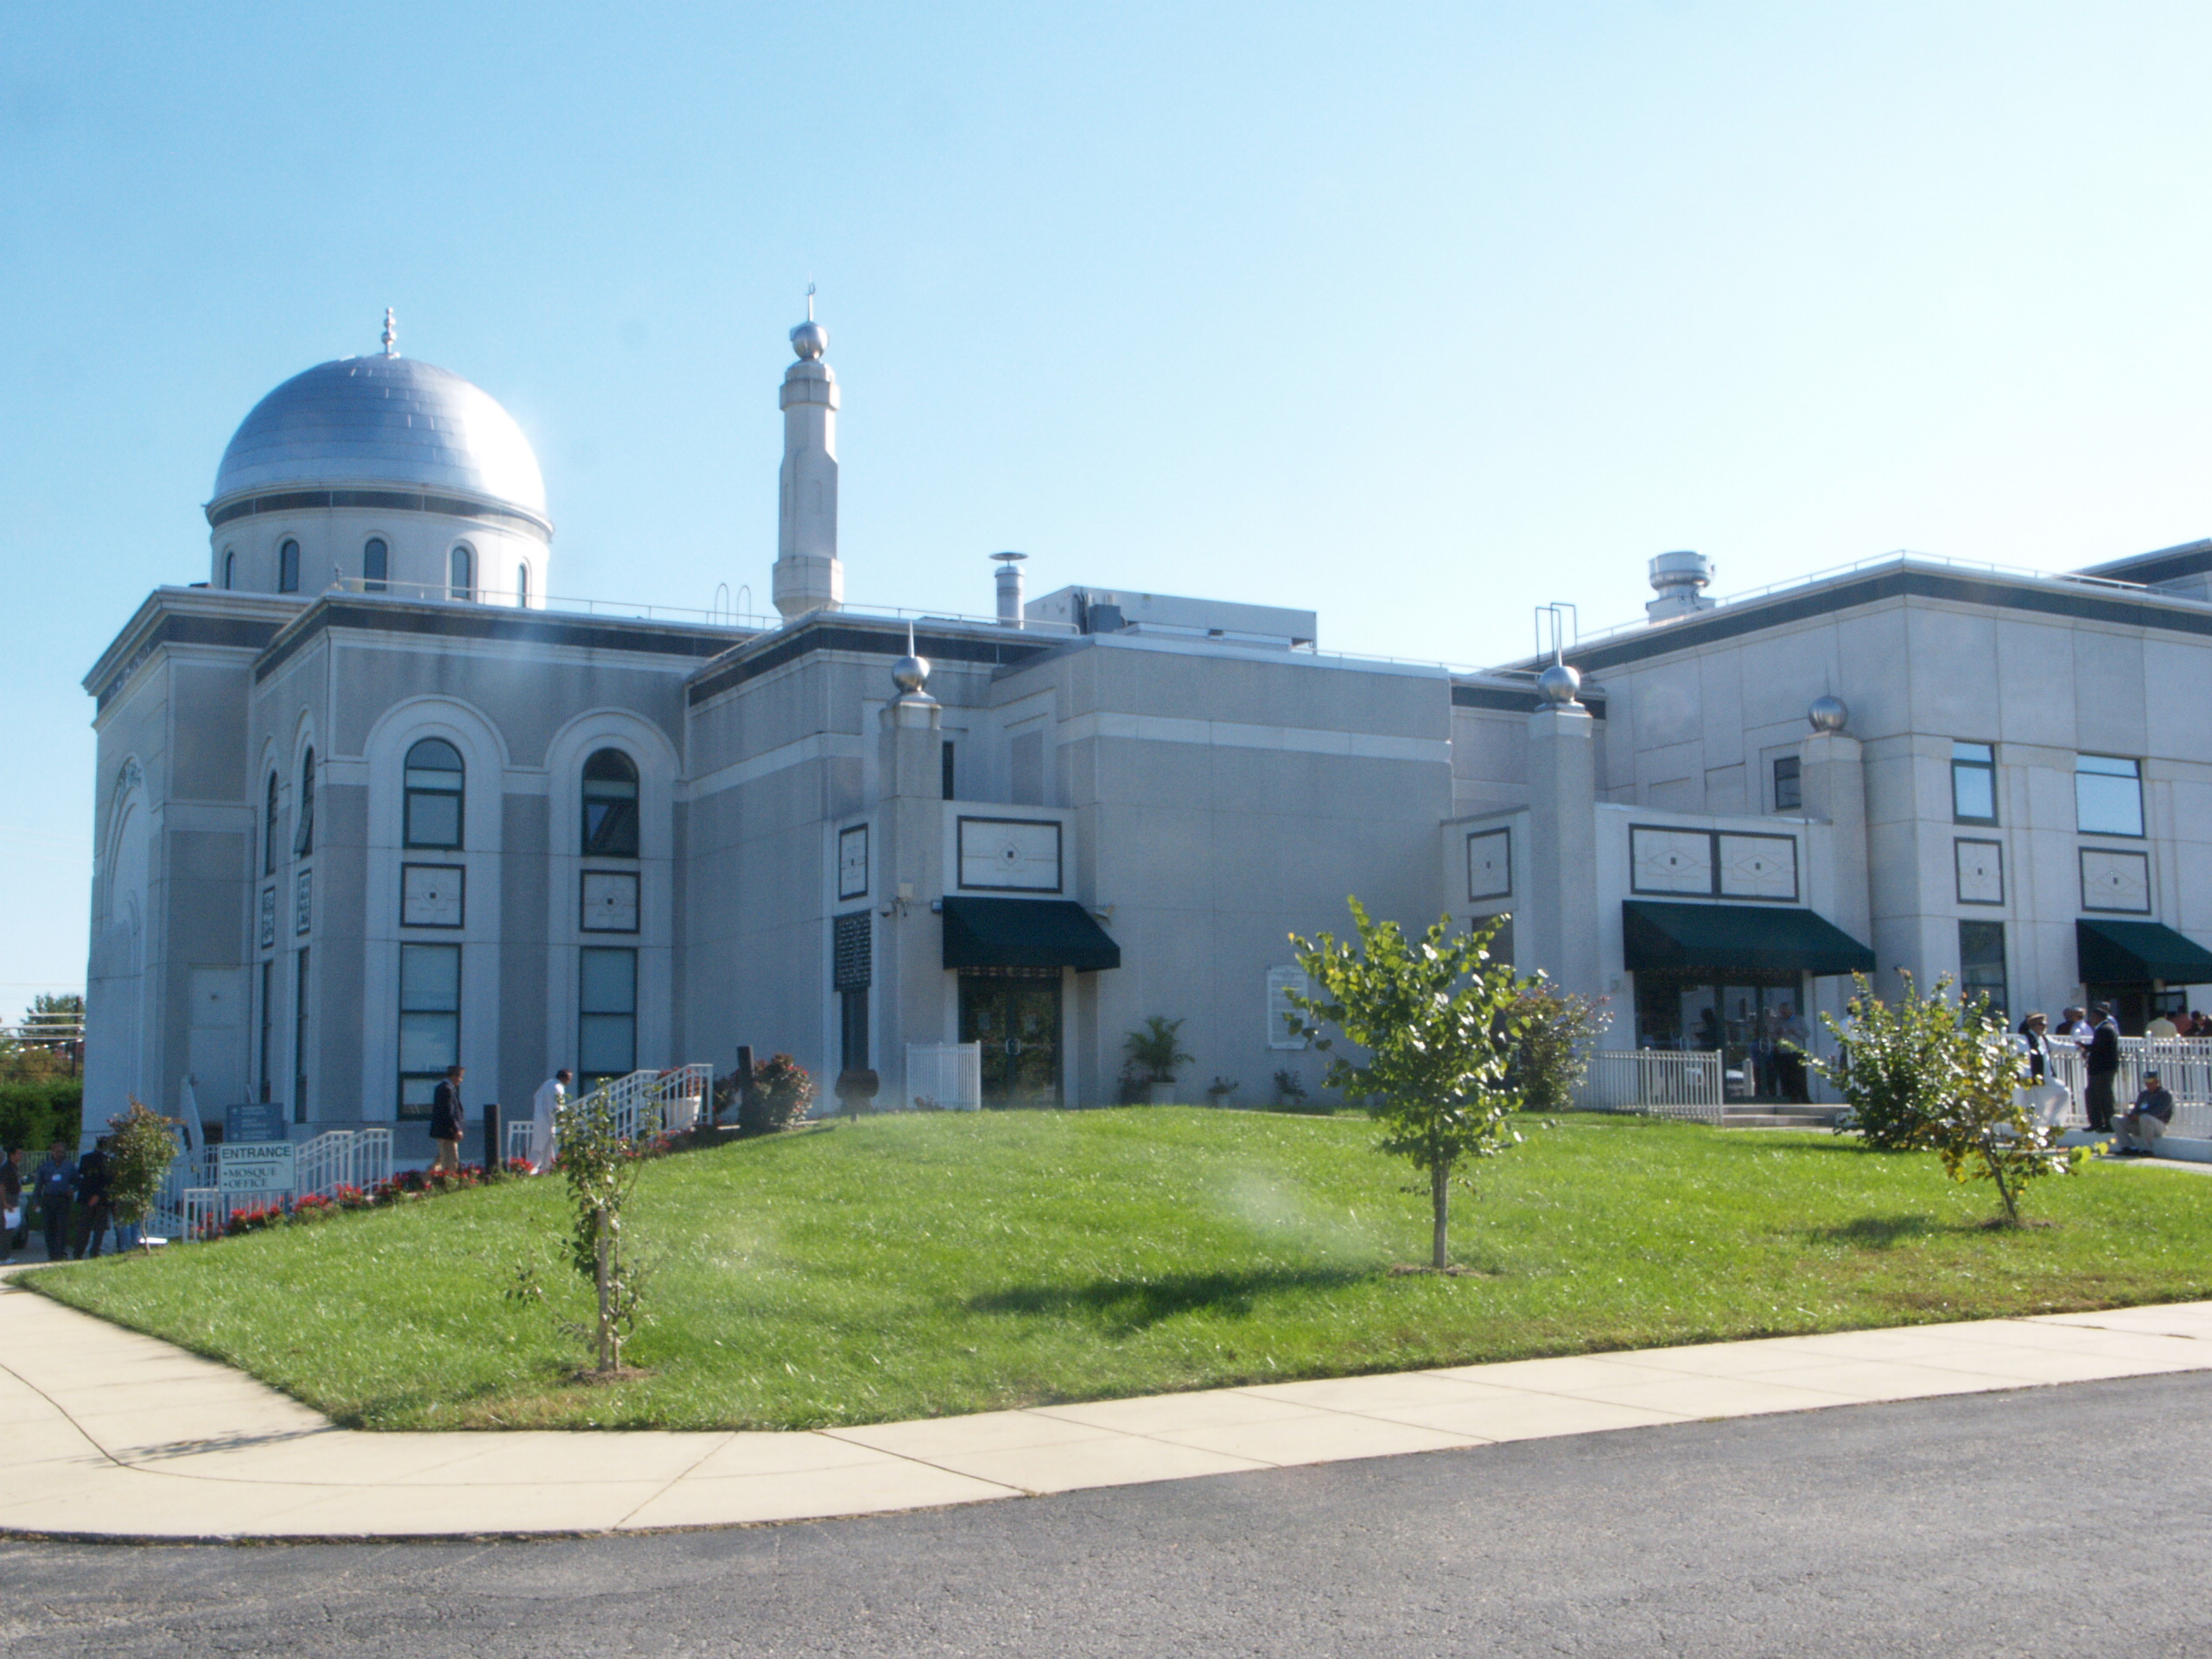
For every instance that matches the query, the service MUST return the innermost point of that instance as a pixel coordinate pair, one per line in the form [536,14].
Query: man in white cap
[549,1099]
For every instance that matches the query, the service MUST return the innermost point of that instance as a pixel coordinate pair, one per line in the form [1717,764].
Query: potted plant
[1154,1049]
[856,1090]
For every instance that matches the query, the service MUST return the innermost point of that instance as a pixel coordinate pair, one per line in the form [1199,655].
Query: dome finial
[809,340]
[391,335]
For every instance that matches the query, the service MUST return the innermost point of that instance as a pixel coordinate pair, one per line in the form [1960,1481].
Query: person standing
[551,1095]
[2033,1033]
[12,1230]
[448,1121]
[55,1186]
[94,1210]
[2161,1025]
[2102,1064]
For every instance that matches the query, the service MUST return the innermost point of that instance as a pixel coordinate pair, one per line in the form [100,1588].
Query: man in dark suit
[2101,1060]
[449,1120]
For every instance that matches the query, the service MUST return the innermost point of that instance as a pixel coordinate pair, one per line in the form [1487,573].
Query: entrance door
[1017,1023]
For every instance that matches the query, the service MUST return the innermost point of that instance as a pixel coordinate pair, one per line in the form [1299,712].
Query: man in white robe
[550,1094]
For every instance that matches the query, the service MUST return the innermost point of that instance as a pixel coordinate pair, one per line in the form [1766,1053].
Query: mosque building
[368,805]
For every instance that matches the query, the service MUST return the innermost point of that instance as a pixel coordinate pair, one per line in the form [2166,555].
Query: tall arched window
[432,808]
[611,805]
[376,565]
[268,830]
[229,568]
[288,567]
[522,586]
[303,842]
[463,582]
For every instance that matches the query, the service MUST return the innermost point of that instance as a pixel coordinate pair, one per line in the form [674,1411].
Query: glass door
[1016,1022]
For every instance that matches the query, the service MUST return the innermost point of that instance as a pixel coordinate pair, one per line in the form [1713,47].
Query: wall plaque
[851,952]
[1281,981]
[1980,870]
[610,901]
[268,918]
[1010,854]
[852,862]
[1757,867]
[432,895]
[1489,864]
[303,902]
[2115,880]
[1670,861]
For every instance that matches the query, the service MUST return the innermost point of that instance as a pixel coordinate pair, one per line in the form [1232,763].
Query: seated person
[2138,1129]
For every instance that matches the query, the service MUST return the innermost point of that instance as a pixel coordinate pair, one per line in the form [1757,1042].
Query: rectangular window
[950,793]
[1974,782]
[1788,788]
[1981,963]
[268,1013]
[429,1022]
[300,1036]
[606,1004]
[2107,795]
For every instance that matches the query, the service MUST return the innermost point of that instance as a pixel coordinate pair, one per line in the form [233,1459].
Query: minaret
[808,577]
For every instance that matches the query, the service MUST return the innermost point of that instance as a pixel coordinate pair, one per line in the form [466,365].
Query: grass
[917,1266]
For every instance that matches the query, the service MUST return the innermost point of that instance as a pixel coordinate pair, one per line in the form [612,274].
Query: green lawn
[917,1266]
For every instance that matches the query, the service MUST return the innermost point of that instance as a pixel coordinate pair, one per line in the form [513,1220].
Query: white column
[808,577]
[1561,920]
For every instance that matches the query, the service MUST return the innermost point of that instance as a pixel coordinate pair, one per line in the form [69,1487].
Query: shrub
[1553,1054]
[780,1096]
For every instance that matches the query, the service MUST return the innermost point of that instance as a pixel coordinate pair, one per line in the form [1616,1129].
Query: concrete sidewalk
[108,1434]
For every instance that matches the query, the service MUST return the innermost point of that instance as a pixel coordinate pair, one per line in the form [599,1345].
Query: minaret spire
[808,577]
[391,335]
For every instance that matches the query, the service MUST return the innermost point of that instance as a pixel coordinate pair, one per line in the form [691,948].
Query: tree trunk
[2004,1190]
[1439,1189]
[606,1299]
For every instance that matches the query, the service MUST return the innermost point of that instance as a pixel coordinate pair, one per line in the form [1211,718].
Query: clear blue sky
[1416,316]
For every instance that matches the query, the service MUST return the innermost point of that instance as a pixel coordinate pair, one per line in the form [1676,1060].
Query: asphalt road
[2073,1521]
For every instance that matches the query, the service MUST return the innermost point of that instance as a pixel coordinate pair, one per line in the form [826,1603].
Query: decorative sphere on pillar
[1557,685]
[910,675]
[809,340]
[1828,714]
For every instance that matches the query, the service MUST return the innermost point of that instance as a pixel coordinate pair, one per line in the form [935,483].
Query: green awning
[1025,933]
[2128,953]
[1716,938]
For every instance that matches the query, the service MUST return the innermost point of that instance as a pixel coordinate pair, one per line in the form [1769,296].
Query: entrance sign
[256,1166]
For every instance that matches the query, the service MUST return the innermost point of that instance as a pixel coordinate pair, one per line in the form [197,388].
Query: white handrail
[1660,1081]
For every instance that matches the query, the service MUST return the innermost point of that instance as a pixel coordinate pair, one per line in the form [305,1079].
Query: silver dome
[383,420]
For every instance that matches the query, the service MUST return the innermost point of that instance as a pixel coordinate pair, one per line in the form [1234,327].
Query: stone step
[1779,1117]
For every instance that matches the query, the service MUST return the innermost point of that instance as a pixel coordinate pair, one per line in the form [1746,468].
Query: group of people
[72,1196]
[2096,1033]
[449,1120]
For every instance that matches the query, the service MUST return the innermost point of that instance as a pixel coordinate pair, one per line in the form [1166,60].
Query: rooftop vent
[1680,579]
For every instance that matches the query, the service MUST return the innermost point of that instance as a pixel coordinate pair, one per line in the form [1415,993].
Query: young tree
[1939,1075]
[601,1170]
[1439,1022]
[140,1145]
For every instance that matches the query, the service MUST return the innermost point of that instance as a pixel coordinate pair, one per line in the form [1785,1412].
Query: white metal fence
[2183,1066]
[647,1103]
[945,1076]
[192,1195]
[1660,1082]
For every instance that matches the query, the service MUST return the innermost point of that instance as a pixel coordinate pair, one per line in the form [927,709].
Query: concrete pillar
[910,993]
[807,575]
[1557,929]
[1832,773]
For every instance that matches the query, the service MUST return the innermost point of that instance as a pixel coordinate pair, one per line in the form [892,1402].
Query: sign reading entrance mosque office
[1010,854]
[1712,863]
[431,895]
[852,862]
[255,1166]
[610,901]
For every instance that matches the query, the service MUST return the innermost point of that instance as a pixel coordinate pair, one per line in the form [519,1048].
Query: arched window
[288,567]
[432,809]
[522,586]
[376,565]
[611,805]
[268,830]
[463,584]
[303,842]
[229,568]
